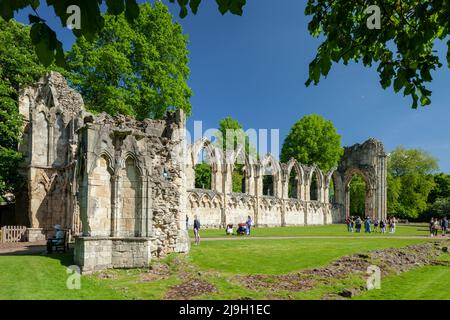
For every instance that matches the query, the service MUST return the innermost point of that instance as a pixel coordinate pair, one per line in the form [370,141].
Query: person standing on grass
[392,225]
[358,224]
[348,222]
[197,230]
[435,227]
[367,225]
[249,224]
[383,226]
[444,226]
[375,225]
[431,227]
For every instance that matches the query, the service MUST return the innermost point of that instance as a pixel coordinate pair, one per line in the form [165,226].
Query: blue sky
[253,68]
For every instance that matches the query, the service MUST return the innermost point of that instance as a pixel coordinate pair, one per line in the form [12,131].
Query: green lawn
[425,283]
[282,256]
[44,277]
[328,230]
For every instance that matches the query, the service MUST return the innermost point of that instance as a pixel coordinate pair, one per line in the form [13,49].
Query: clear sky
[253,68]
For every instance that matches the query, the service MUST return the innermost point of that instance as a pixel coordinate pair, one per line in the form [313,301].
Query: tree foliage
[357,196]
[410,181]
[203,176]
[19,67]
[313,140]
[402,49]
[45,41]
[231,128]
[135,68]
[441,187]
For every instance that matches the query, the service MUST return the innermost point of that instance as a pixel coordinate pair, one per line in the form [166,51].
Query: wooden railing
[13,233]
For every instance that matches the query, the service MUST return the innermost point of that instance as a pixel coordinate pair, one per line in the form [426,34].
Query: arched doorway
[314,187]
[238,179]
[358,195]
[357,190]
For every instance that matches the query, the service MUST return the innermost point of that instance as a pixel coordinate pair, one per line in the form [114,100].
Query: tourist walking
[367,225]
[358,224]
[444,226]
[383,226]
[392,225]
[197,230]
[375,225]
[435,227]
[349,224]
[187,222]
[249,224]
[431,227]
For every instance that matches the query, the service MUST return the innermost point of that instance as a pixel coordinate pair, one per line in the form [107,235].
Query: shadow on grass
[65,258]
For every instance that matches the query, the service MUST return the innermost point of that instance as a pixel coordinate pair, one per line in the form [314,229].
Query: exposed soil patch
[157,271]
[190,288]
[390,261]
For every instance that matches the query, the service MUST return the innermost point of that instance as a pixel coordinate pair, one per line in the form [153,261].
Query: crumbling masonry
[125,187]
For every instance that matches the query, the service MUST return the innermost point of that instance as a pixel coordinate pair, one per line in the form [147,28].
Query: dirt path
[20,248]
[321,237]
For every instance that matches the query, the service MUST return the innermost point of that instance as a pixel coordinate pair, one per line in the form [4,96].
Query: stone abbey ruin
[124,187]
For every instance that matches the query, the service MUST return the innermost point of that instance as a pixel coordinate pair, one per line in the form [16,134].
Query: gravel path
[321,237]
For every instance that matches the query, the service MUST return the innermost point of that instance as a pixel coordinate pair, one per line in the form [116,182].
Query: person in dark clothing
[444,226]
[197,230]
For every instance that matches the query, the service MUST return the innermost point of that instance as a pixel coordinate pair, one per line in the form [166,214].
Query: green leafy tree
[410,181]
[403,48]
[313,140]
[439,208]
[441,188]
[230,128]
[92,22]
[203,176]
[357,196]
[19,67]
[135,68]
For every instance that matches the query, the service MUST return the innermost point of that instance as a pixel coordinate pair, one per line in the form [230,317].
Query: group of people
[436,224]
[355,224]
[243,228]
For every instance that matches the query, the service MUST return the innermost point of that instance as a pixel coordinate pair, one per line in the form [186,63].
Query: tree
[441,188]
[92,22]
[357,196]
[19,67]
[203,176]
[231,128]
[402,48]
[410,181]
[134,68]
[313,140]
[439,208]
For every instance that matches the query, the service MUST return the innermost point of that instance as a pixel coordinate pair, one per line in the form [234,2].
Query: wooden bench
[64,246]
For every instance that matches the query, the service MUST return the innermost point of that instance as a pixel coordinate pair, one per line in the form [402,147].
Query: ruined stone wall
[52,113]
[108,179]
[283,207]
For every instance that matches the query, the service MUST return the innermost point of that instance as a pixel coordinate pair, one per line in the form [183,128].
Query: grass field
[328,230]
[219,262]
[282,256]
[425,283]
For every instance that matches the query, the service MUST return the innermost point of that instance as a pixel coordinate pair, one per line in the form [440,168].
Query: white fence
[13,233]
